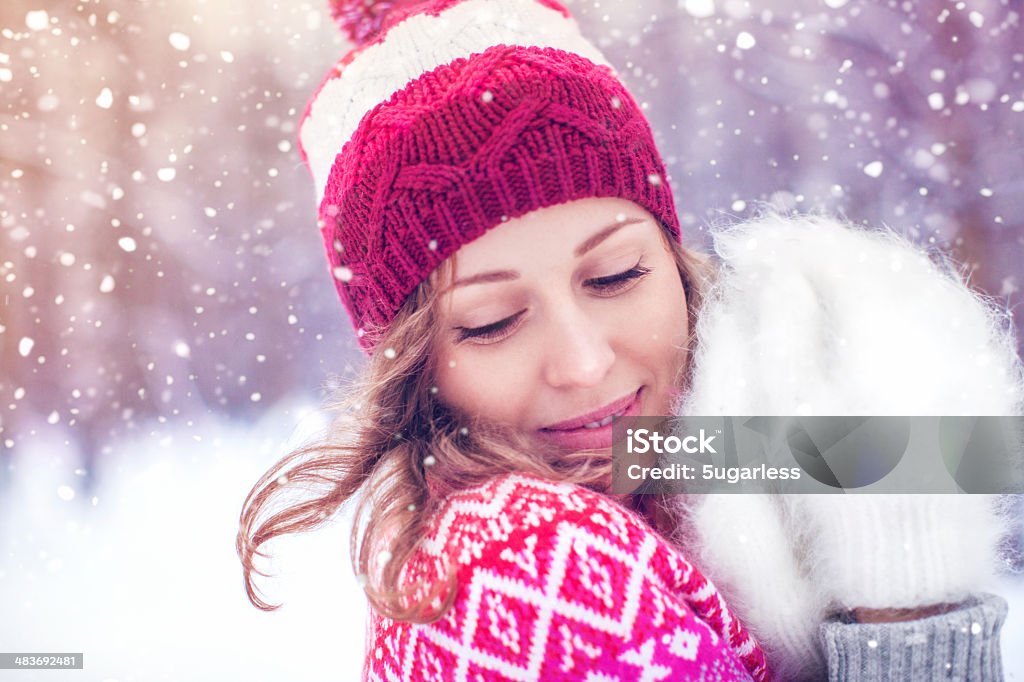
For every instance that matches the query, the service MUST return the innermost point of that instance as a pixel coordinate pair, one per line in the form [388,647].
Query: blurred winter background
[168,323]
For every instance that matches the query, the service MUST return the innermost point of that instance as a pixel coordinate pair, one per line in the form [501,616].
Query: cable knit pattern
[557,582]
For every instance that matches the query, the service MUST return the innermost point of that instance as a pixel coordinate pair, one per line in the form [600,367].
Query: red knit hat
[450,117]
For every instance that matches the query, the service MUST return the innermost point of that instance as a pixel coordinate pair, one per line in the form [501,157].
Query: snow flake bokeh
[164,293]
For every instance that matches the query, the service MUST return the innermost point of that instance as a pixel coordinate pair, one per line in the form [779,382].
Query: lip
[594,416]
[571,435]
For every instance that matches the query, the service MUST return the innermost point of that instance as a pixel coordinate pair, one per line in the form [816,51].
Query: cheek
[660,317]
[660,325]
[482,385]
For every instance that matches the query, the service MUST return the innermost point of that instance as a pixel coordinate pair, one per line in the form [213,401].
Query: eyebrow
[589,244]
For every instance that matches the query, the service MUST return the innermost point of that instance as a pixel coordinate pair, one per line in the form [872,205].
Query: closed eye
[490,333]
[613,284]
[607,286]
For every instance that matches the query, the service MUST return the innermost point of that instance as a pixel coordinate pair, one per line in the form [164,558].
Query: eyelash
[610,285]
[613,284]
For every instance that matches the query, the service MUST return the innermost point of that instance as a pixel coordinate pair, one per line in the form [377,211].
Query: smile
[604,422]
[595,418]
[593,431]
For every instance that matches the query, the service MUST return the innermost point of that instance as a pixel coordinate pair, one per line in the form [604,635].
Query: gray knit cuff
[958,645]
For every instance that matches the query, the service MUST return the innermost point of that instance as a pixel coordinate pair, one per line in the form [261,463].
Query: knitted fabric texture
[557,582]
[453,119]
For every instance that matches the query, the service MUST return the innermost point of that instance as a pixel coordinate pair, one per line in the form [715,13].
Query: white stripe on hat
[418,45]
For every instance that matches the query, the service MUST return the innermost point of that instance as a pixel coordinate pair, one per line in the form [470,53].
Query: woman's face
[561,318]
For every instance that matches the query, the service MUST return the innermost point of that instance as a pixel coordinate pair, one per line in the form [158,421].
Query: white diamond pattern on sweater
[557,582]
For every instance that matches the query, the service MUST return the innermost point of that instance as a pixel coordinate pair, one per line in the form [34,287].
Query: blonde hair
[392,440]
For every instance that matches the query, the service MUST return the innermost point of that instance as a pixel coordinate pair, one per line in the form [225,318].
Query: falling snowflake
[179,41]
[37,20]
[745,40]
[105,99]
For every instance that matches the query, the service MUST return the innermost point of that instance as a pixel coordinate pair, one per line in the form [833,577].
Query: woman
[502,234]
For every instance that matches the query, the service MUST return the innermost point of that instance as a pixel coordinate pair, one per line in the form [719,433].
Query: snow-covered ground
[145,581]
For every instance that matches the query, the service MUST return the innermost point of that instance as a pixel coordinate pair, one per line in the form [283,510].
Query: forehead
[550,232]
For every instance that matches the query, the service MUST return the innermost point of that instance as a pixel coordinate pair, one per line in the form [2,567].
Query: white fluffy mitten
[812,316]
[898,551]
[740,542]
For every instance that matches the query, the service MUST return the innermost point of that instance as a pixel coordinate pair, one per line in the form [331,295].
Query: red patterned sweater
[557,582]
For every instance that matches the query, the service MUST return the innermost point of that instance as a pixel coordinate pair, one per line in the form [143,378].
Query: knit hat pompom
[363,20]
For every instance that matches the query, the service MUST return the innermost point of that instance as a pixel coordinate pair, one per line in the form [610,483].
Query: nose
[578,352]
